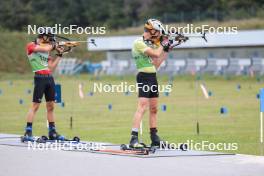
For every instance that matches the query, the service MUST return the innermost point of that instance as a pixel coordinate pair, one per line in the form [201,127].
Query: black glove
[60,51]
[165,43]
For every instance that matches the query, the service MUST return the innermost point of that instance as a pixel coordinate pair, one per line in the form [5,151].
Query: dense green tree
[16,14]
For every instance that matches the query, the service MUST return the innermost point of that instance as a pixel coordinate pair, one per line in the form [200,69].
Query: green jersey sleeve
[140,46]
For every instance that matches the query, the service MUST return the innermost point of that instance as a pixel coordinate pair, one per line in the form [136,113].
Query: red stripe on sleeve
[30,48]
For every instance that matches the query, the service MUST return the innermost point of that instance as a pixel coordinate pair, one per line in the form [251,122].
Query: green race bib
[38,61]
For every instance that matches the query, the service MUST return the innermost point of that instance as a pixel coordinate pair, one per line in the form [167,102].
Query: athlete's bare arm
[53,63]
[154,53]
[157,55]
[158,61]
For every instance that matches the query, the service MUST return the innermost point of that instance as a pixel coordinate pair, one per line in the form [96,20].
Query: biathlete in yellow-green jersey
[149,52]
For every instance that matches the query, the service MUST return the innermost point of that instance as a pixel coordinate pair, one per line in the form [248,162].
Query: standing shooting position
[43,65]
[149,52]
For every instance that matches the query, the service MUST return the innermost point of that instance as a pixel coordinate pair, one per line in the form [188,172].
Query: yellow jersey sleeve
[140,46]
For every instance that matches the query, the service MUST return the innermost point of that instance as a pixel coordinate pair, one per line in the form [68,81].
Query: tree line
[117,14]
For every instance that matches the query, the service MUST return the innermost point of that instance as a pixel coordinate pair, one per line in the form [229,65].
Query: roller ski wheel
[42,139]
[183,147]
[39,140]
[76,139]
[124,147]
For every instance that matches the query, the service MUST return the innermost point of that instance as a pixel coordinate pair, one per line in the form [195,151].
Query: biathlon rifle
[179,38]
[68,44]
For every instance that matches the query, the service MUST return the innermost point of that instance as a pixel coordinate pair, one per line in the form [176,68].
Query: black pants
[43,85]
[147,85]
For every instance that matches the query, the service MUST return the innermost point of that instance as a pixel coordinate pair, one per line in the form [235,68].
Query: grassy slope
[93,121]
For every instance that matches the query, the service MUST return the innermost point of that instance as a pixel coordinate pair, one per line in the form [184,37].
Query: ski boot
[134,143]
[28,135]
[53,135]
[155,140]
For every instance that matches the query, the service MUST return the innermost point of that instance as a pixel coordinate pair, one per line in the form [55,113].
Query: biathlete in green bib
[42,65]
[149,52]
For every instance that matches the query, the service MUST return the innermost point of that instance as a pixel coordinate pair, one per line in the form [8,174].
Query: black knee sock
[134,133]
[51,125]
[153,131]
[29,124]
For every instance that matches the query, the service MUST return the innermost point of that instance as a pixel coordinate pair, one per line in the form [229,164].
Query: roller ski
[45,139]
[144,149]
[136,149]
[124,151]
[60,139]
[54,136]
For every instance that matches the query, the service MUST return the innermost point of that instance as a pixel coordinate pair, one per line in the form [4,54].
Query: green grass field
[185,106]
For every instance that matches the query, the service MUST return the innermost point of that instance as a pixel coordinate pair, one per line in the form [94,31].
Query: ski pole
[141,132]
